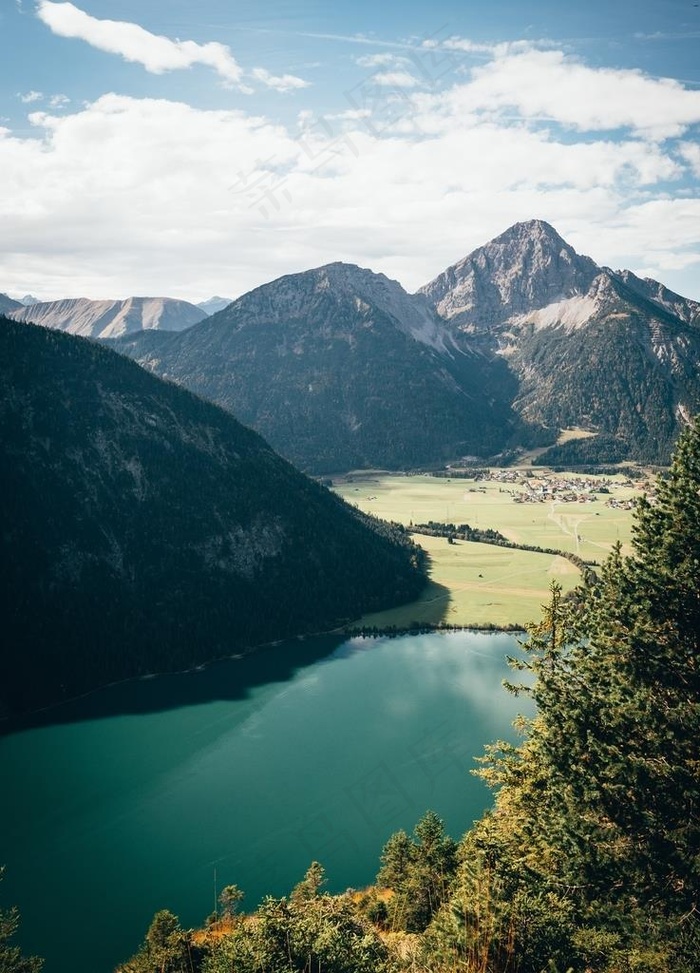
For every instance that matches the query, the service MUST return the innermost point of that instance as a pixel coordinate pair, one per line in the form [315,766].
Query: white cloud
[54,101]
[152,196]
[670,251]
[350,115]
[462,44]
[381,60]
[156,53]
[395,79]
[281,83]
[690,151]
[134,195]
[551,83]
[500,49]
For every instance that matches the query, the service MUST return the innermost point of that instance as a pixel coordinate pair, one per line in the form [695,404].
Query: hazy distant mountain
[214,304]
[340,368]
[28,300]
[7,305]
[110,319]
[143,529]
[587,346]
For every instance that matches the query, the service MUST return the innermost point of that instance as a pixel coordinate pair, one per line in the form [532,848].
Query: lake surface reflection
[153,794]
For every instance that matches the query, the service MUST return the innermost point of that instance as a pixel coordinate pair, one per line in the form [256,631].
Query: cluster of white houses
[563,489]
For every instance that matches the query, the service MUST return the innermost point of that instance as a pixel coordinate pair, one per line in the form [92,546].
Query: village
[524,487]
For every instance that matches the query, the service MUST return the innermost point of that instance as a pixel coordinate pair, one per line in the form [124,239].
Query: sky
[185,149]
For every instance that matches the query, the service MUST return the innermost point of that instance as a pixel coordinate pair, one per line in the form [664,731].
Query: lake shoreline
[18,723]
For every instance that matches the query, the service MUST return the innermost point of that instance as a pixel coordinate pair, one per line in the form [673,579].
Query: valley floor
[474,584]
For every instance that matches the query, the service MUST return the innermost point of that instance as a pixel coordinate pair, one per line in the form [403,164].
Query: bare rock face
[530,275]
[290,295]
[527,267]
[683,308]
[110,319]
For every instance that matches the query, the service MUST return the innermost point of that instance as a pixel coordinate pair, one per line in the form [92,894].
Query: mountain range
[144,530]
[214,304]
[341,368]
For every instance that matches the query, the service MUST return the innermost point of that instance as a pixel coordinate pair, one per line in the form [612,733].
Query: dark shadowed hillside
[144,529]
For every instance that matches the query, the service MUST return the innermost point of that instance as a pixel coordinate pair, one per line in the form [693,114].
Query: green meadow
[481,584]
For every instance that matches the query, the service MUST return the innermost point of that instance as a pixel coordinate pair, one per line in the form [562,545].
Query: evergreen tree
[11,958]
[311,884]
[591,856]
[309,933]
[419,872]
[230,898]
[166,948]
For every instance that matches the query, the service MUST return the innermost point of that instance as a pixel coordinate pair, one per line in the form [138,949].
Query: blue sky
[177,149]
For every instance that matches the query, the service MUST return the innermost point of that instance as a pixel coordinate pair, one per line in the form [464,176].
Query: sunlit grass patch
[479,584]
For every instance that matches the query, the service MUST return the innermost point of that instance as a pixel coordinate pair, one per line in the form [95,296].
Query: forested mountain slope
[143,529]
[7,304]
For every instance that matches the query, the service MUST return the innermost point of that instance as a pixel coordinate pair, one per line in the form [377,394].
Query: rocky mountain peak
[293,296]
[529,233]
[527,267]
[353,281]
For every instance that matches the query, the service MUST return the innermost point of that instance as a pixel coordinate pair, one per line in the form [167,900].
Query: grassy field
[477,584]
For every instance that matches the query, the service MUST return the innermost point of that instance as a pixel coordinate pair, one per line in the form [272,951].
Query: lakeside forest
[588,859]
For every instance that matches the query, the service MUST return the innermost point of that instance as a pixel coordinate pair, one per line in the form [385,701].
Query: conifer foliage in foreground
[590,858]
[589,861]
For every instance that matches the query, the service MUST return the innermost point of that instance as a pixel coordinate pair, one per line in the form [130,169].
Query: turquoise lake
[154,794]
